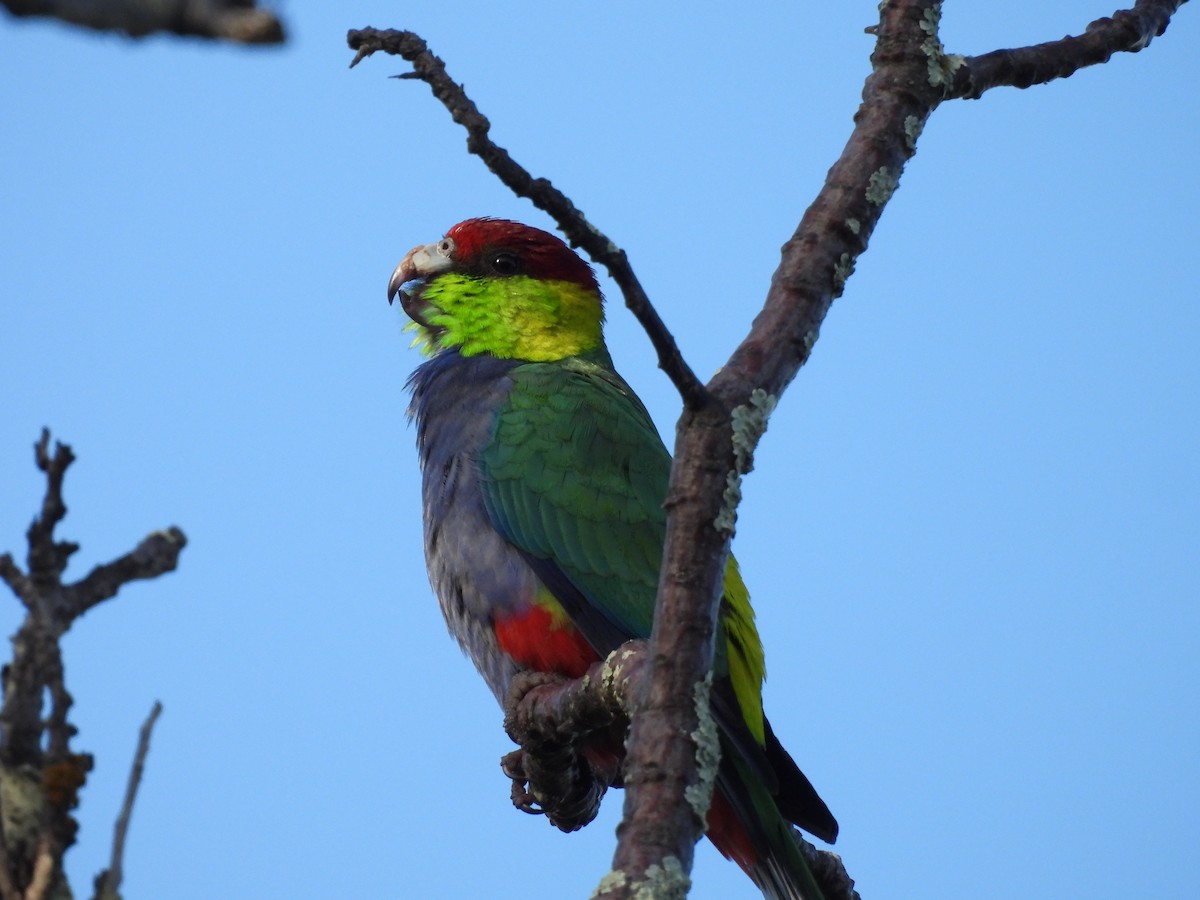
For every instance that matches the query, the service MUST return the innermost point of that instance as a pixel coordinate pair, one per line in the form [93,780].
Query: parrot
[543,481]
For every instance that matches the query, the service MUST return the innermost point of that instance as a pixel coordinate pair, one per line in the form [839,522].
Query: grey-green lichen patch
[23,805]
[942,65]
[881,186]
[610,672]
[611,677]
[854,225]
[665,882]
[726,519]
[708,750]
[612,880]
[931,18]
[843,270]
[810,339]
[912,130]
[749,423]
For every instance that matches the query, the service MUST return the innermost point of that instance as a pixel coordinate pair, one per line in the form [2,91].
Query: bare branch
[1127,31]
[579,231]
[239,21]
[42,775]
[108,882]
[48,559]
[59,605]
[156,555]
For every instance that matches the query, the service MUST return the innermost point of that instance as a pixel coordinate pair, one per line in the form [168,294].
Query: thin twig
[109,881]
[579,231]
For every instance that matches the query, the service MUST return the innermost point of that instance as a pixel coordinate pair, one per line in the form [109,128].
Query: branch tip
[108,882]
[579,231]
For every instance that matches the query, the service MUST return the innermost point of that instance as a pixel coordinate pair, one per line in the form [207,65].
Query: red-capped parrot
[543,480]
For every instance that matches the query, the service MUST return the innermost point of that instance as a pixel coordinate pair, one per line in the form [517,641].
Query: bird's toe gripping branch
[571,736]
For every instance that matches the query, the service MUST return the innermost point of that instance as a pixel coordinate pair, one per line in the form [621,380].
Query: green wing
[575,477]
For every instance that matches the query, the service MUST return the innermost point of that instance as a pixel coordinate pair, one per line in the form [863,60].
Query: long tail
[746,825]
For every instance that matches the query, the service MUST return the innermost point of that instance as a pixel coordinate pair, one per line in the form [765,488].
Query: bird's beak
[419,262]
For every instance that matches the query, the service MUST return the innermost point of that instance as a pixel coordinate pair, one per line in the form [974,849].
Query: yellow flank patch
[747,665]
[548,602]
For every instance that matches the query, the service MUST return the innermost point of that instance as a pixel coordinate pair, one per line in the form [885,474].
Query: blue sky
[972,533]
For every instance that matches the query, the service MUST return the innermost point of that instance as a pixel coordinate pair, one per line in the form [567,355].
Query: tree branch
[714,448]
[108,882]
[156,555]
[39,773]
[239,21]
[571,221]
[1127,31]
[552,718]
[723,421]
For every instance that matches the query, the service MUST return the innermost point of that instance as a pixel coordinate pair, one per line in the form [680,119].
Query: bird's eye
[505,264]
[445,247]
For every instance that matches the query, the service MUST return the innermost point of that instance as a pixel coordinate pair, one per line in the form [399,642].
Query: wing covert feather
[574,475]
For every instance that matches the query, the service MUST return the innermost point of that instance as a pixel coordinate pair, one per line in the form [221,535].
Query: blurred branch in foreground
[239,21]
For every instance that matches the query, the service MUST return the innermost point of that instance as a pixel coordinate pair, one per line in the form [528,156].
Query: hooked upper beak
[419,262]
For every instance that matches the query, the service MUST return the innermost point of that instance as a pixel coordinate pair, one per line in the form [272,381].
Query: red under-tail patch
[729,836]
[535,640]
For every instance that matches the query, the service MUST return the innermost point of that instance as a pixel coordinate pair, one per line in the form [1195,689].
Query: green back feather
[576,473]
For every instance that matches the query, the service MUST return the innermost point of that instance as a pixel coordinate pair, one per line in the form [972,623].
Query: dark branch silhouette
[40,773]
[238,21]
[911,76]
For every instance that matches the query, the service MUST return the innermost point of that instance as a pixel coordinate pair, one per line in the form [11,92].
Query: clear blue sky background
[972,534]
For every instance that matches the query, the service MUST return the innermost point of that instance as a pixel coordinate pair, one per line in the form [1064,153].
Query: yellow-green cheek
[515,318]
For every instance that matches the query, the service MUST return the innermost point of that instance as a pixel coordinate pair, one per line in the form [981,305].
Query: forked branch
[40,774]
